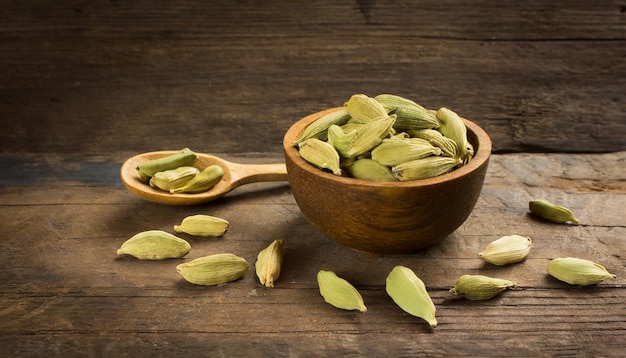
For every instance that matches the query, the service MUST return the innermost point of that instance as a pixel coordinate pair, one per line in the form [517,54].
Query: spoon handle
[253,173]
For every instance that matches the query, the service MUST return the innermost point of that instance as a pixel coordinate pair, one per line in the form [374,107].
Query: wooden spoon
[235,175]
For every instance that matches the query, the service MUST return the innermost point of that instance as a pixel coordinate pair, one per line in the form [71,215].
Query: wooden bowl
[386,218]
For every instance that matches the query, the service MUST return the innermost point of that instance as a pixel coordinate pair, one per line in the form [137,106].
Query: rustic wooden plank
[538,77]
[66,292]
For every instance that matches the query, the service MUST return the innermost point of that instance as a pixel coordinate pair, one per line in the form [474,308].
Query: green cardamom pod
[340,140]
[203,181]
[318,128]
[424,168]
[370,170]
[577,271]
[447,145]
[370,135]
[184,158]
[410,115]
[202,225]
[479,287]
[547,210]
[339,292]
[174,178]
[364,109]
[392,152]
[214,269]
[154,245]
[453,127]
[269,262]
[409,293]
[320,154]
[506,250]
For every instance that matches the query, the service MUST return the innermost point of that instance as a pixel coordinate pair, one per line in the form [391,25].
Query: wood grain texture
[66,293]
[141,76]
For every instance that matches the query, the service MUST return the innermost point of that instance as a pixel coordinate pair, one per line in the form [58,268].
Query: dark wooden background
[86,84]
[231,76]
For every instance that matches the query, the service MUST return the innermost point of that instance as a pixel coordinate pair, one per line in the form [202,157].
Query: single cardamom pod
[479,287]
[370,135]
[318,128]
[410,114]
[364,109]
[392,152]
[214,269]
[173,178]
[269,262]
[577,271]
[506,250]
[447,145]
[203,181]
[370,170]
[453,127]
[410,294]
[424,168]
[202,225]
[320,154]
[339,292]
[154,245]
[184,158]
[547,210]
[340,140]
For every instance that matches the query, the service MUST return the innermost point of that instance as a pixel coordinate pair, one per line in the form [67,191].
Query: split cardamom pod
[203,181]
[479,287]
[320,154]
[575,271]
[214,269]
[269,262]
[506,250]
[339,292]
[154,245]
[202,225]
[547,210]
[184,158]
[409,293]
[173,178]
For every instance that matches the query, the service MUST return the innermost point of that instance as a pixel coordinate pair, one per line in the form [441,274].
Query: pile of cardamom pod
[176,174]
[386,138]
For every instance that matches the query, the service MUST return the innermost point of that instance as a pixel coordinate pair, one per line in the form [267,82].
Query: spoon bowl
[235,175]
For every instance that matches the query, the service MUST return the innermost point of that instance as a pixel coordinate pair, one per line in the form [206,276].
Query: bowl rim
[481,157]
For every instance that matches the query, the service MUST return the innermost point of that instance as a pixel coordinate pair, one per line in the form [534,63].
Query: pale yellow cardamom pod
[424,168]
[203,225]
[552,212]
[409,293]
[318,128]
[506,250]
[269,262]
[340,140]
[173,178]
[370,170]
[214,269]
[370,135]
[320,154]
[338,292]
[205,180]
[154,245]
[479,287]
[365,109]
[577,271]
[392,152]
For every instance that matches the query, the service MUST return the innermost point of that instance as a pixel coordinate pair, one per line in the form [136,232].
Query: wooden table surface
[84,85]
